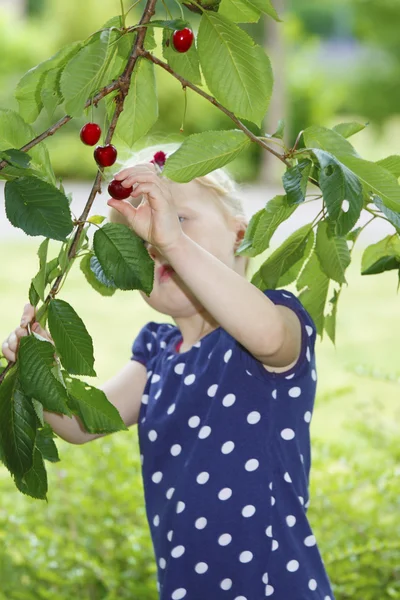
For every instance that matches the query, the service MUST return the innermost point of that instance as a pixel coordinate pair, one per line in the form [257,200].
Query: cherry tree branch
[122,83]
[186,83]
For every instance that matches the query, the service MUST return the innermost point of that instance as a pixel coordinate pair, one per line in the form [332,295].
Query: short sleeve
[308,328]
[145,345]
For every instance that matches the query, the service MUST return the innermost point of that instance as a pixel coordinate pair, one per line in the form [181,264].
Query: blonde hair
[218,180]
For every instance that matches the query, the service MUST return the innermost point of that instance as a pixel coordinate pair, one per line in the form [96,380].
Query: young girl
[223,401]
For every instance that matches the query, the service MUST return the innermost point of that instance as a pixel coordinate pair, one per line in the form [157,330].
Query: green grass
[368,319]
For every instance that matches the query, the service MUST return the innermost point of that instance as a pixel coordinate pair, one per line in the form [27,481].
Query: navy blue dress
[225,452]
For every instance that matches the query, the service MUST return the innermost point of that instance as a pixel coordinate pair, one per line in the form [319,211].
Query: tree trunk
[275,48]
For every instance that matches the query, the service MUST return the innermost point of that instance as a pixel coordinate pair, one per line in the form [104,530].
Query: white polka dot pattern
[221,441]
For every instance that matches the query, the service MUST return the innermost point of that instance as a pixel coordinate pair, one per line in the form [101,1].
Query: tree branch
[186,83]
[122,83]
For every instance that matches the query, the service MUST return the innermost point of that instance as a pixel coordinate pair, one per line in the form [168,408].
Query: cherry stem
[186,83]
[133,6]
[185,108]
[122,13]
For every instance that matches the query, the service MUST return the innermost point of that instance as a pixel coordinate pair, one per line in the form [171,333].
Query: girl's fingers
[141,168]
[27,315]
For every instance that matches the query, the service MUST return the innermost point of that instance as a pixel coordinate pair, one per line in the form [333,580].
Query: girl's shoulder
[152,337]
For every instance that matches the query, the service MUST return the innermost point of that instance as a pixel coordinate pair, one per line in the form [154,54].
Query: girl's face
[202,220]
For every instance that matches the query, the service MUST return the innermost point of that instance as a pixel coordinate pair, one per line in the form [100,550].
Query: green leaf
[237,72]
[280,131]
[291,275]
[35,358]
[15,133]
[91,405]
[333,253]
[375,180]
[17,424]
[73,342]
[38,208]
[382,256]
[79,78]
[46,444]
[34,482]
[39,281]
[314,285]
[330,318]
[29,88]
[295,181]
[392,164]
[338,184]
[123,257]
[394,217]
[141,104]
[239,11]
[263,225]
[266,7]
[97,219]
[16,158]
[328,140]
[348,129]
[38,407]
[89,272]
[186,64]
[289,253]
[50,94]
[201,153]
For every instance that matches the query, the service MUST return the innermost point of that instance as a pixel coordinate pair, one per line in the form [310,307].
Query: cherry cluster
[105,156]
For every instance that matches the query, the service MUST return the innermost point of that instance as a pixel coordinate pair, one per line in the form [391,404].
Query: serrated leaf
[348,129]
[38,407]
[237,72]
[38,208]
[34,482]
[15,133]
[295,181]
[98,282]
[394,217]
[201,153]
[97,414]
[123,257]
[39,281]
[375,180]
[262,227]
[313,285]
[338,183]
[328,140]
[141,104]
[330,318]
[46,444]
[17,424]
[79,78]
[280,130]
[73,342]
[382,256]
[333,253]
[35,359]
[29,88]
[16,158]
[186,64]
[239,11]
[392,164]
[284,257]
[291,274]
[50,94]
[266,7]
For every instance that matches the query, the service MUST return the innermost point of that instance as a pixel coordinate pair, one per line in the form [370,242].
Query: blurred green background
[333,61]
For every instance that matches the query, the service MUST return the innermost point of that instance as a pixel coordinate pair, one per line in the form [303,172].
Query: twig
[211,99]
[123,84]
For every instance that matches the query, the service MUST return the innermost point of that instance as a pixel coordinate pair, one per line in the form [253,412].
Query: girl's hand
[11,344]
[155,219]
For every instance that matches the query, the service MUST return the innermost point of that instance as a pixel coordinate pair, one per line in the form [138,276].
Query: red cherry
[90,134]
[105,156]
[118,191]
[182,39]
